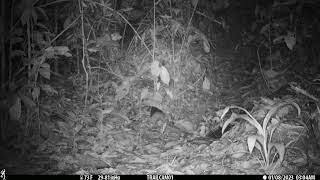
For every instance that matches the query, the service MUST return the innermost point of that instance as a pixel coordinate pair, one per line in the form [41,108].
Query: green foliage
[278,25]
[262,140]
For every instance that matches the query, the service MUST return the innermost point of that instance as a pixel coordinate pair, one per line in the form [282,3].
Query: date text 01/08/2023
[289,177]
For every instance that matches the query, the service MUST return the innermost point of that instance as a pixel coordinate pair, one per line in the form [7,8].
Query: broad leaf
[15,110]
[158,85]
[245,117]
[164,75]
[278,39]
[206,46]
[231,118]
[67,22]
[62,50]
[194,3]
[35,93]
[44,70]
[16,40]
[275,109]
[251,142]
[155,69]
[169,93]
[16,53]
[144,93]
[225,111]
[123,89]
[48,89]
[206,84]
[264,28]
[27,101]
[290,40]
[116,36]
[280,150]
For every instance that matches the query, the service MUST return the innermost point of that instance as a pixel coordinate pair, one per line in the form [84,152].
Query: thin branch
[50,3]
[260,67]
[83,54]
[55,38]
[119,14]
